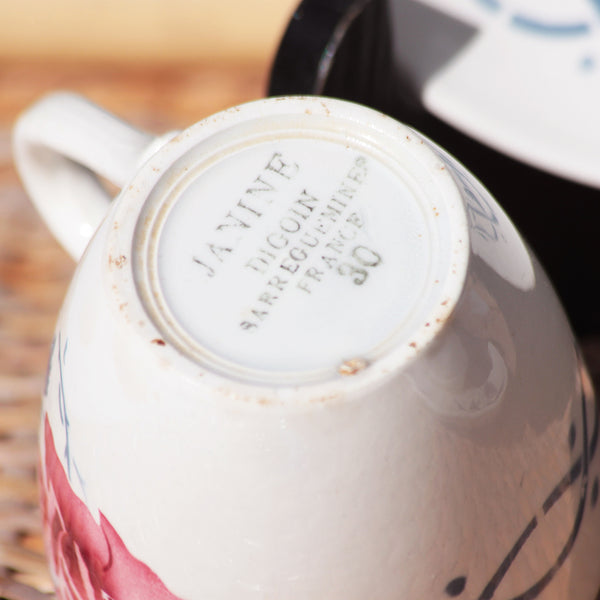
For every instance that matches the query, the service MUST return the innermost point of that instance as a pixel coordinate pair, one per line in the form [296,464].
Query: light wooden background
[142,30]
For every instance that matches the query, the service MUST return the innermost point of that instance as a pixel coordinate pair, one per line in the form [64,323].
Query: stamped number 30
[363,259]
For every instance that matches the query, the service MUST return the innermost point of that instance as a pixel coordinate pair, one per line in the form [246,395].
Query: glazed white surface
[391,481]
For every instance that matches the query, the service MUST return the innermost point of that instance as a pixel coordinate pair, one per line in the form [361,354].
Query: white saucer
[527,82]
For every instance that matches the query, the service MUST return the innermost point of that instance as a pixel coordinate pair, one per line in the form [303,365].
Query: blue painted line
[596,4]
[588,63]
[554,29]
[494,4]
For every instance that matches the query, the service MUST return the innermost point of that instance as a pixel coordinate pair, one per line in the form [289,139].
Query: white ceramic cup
[305,356]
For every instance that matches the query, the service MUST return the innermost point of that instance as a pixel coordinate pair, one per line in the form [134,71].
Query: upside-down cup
[305,355]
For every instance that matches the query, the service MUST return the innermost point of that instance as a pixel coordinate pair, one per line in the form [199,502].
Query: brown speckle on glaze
[118,261]
[352,366]
[322,399]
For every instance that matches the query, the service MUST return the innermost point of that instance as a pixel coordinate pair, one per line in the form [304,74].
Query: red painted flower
[88,559]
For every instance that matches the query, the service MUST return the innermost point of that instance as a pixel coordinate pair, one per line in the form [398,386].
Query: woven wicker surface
[35,271]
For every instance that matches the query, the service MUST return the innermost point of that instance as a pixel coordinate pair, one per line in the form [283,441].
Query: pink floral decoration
[89,560]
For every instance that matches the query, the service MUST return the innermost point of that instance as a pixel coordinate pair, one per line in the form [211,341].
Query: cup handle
[61,146]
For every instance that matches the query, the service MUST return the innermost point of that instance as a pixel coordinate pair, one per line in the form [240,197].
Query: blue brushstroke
[596,4]
[492,4]
[553,29]
[62,404]
[64,416]
[588,63]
